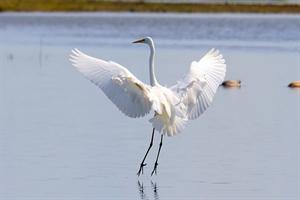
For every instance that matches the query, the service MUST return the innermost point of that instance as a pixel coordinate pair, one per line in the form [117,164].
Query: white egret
[172,107]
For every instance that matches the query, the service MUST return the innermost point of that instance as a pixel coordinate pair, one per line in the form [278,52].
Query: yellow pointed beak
[139,41]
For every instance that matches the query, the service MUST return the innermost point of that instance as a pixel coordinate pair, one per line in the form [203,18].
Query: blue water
[61,138]
[239,30]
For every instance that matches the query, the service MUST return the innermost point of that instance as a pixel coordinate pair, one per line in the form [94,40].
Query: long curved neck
[153,80]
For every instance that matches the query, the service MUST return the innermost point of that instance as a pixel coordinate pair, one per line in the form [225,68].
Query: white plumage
[199,86]
[128,93]
[173,106]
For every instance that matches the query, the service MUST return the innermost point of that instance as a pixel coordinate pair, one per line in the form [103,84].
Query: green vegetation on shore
[93,5]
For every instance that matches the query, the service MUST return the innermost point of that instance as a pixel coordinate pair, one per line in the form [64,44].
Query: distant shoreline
[100,6]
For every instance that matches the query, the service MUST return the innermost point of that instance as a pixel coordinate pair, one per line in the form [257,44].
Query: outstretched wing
[128,93]
[199,86]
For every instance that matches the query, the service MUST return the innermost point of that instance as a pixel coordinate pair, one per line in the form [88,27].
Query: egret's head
[146,40]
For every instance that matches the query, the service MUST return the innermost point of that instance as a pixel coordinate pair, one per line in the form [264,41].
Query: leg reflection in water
[155,193]
[142,191]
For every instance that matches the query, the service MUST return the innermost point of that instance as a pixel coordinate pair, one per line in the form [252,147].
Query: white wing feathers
[199,86]
[128,93]
[193,94]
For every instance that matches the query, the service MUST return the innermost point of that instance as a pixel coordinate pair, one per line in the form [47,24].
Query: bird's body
[172,106]
[232,83]
[294,84]
[169,114]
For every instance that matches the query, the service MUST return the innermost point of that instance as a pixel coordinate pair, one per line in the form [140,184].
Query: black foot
[141,170]
[154,169]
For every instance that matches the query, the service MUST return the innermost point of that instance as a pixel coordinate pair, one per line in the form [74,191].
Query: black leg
[144,164]
[160,145]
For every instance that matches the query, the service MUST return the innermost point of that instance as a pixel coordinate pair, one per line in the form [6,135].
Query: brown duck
[231,83]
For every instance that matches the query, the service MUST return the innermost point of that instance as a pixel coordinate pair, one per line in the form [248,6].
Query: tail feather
[168,127]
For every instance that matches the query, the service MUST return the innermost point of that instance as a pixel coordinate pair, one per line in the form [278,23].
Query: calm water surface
[61,138]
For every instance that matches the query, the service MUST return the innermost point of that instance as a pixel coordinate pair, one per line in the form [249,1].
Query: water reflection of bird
[294,84]
[172,107]
[10,57]
[155,190]
[142,191]
[231,83]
